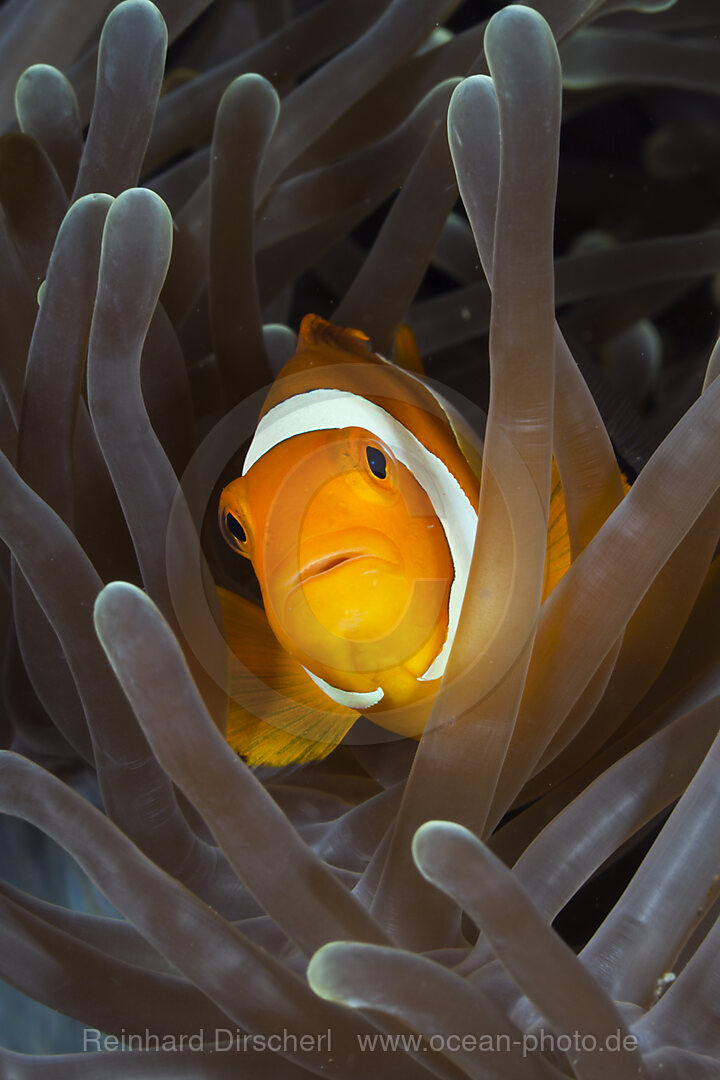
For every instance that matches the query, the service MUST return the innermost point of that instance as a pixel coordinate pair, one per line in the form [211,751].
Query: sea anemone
[389,908]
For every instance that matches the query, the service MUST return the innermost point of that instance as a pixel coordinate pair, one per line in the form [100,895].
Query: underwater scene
[359,526]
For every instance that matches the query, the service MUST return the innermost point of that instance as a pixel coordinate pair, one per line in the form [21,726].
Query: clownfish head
[353,563]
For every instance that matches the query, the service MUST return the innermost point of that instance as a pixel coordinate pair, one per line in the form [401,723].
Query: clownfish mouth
[322,555]
[328,563]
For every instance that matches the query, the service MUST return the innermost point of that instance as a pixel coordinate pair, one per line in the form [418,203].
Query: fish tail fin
[276,714]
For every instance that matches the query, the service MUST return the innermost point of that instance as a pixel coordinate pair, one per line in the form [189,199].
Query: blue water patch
[37,865]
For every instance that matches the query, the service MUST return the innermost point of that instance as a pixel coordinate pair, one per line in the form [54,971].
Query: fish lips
[338,587]
[328,552]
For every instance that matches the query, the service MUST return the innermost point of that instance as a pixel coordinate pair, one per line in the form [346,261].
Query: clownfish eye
[236,528]
[377,462]
[233,531]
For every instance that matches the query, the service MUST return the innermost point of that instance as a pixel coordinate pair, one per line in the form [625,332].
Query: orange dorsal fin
[316,333]
[276,713]
[405,352]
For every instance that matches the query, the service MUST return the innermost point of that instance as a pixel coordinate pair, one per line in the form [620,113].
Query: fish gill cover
[531,890]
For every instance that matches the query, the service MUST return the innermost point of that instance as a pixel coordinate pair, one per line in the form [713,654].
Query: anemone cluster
[387,911]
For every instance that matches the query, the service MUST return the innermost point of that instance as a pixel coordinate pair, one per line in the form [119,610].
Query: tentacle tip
[466,98]
[513,19]
[256,81]
[31,73]
[141,197]
[140,216]
[320,972]
[95,200]
[429,842]
[113,595]
[127,7]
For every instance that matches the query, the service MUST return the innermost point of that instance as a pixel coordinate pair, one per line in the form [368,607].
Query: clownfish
[357,506]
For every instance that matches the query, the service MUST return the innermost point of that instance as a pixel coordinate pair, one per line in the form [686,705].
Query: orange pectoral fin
[276,713]
[557,551]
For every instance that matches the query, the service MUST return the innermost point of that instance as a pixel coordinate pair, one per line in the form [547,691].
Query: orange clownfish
[357,506]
